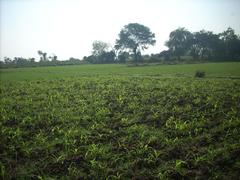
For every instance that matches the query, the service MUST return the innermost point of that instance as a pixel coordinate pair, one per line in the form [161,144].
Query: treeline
[183,46]
[204,45]
[31,62]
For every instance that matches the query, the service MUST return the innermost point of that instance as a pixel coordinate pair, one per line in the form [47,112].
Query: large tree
[231,44]
[206,45]
[99,47]
[135,37]
[179,41]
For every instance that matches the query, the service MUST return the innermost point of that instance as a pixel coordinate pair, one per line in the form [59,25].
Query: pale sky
[68,28]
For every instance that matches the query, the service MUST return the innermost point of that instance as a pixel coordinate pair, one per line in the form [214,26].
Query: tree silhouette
[231,44]
[99,47]
[43,56]
[135,37]
[179,41]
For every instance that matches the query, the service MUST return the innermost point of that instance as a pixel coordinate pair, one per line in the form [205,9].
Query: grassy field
[120,122]
[60,72]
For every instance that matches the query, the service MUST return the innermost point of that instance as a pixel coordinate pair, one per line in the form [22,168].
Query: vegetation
[183,47]
[120,122]
[43,56]
[205,45]
[99,48]
[200,74]
[179,42]
[135,37]
[101,54]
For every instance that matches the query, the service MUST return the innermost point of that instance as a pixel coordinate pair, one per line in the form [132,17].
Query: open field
[120,122]
[60,72]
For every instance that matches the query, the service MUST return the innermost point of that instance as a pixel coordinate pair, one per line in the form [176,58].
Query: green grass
[59,72]
[119,122]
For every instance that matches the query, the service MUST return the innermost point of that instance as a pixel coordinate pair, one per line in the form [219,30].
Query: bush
[200,74]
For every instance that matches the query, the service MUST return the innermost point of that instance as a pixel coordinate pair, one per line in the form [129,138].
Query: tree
[40,54]
[205,45]
[53,57]
[179,41]
[7,60]
[101,53]
[135,37]
[165,55]
[231,44]
[21,61]
[99,47]
[122,56]
[43,56]
[107,57]
[91,59]
[32,60]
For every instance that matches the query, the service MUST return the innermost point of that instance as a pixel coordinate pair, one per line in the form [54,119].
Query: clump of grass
[200,74]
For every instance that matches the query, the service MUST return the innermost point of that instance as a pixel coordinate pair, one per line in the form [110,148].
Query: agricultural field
[120,122]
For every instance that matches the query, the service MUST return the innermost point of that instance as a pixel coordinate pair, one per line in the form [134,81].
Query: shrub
[200,74]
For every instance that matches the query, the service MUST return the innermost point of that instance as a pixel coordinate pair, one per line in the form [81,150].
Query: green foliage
[118,122]
[204,45]
[99,47]
[200,74]
[135,37]
[231,44]
[179,41]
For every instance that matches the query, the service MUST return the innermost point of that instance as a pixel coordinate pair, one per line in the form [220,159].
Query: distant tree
[179,42]
[99,47]
[19,61]
[205,45]
[32,60]
[101,53]
[91,59]
[53,57]
[122,56]
[72,59]
[165,55]
[231,44]
[135,37]
[40,54]
[2,64]
[84,58]
[7,60]
[107,57]
[154,58]
[43,56]
[228,35]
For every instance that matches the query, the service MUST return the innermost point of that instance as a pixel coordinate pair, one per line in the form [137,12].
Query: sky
[67,28]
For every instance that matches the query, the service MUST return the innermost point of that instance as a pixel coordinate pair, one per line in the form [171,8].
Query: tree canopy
[135,37]
[99,47]
[179,41]
[204,45]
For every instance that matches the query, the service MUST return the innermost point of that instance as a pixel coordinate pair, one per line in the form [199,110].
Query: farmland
[120,122]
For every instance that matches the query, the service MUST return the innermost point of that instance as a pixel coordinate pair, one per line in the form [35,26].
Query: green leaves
[135,37]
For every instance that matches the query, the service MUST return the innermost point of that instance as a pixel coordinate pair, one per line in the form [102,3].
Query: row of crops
[120,127]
